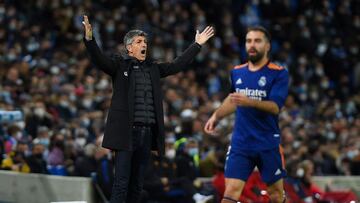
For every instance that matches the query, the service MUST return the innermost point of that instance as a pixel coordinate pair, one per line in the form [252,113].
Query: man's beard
[255,58]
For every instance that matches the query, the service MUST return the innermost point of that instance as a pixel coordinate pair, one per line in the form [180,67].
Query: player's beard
[255,58]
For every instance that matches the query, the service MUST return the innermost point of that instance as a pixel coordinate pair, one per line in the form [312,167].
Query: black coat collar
[133,60]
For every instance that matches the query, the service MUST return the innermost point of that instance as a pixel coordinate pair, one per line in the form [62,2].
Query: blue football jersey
[255,129]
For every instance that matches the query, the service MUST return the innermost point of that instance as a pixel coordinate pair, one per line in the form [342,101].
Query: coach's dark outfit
[135,121]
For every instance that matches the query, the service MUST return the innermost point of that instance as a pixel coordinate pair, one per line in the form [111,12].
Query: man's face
[38,149]
[257,46]
[137,48]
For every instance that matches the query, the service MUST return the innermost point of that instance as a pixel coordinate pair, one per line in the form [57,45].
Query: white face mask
[81,141]
[85,122]
[21,124]
[87,103]
[18,135]
[55,70]
[193,151]
[102,84]
[72,97]
[27,153]
[300,172]
[352,153]
[170,153]
[39,112]
[64,103]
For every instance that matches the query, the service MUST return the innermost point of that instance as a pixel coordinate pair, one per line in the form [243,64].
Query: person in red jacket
[254,189]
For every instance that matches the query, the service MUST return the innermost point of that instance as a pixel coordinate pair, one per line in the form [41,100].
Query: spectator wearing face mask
[159,177]
[187,160]
[301,187]
[170,151]
[38,117]
[81,138]
[14,135]
[85,163]
[56,158]
[43,136]
[36,160]
[162,183]
[15,161]
[104,168]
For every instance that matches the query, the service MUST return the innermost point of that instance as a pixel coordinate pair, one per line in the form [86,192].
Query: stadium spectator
[36,160]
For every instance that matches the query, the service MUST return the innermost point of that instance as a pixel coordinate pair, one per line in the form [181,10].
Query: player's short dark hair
[129,37]
[260,29]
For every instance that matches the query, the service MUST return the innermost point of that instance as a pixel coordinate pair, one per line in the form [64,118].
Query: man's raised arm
[181,62]
[100,60]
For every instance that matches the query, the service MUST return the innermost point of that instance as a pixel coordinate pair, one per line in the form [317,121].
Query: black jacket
[120,117]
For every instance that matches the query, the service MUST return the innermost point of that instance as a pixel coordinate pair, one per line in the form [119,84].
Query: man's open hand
[87,28]
[206,34]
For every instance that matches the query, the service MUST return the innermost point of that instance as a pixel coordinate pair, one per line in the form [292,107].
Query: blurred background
[53,102]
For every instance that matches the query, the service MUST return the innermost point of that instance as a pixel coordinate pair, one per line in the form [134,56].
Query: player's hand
[240,99]
[206,34]
[211,124]
[87,28]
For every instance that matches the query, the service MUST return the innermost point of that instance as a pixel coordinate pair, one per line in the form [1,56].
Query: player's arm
[225,109]
[268,106]
[239,99]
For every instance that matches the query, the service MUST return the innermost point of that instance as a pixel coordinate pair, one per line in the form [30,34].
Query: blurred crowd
[45,73]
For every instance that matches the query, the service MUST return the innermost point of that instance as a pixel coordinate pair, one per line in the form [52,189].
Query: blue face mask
[110,28]
[352,153]
[44,141]
[193,151]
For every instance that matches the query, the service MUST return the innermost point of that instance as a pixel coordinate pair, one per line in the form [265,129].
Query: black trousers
[130,167]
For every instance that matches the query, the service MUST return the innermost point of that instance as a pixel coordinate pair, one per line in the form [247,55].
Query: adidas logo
[278,172]
[239,81]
